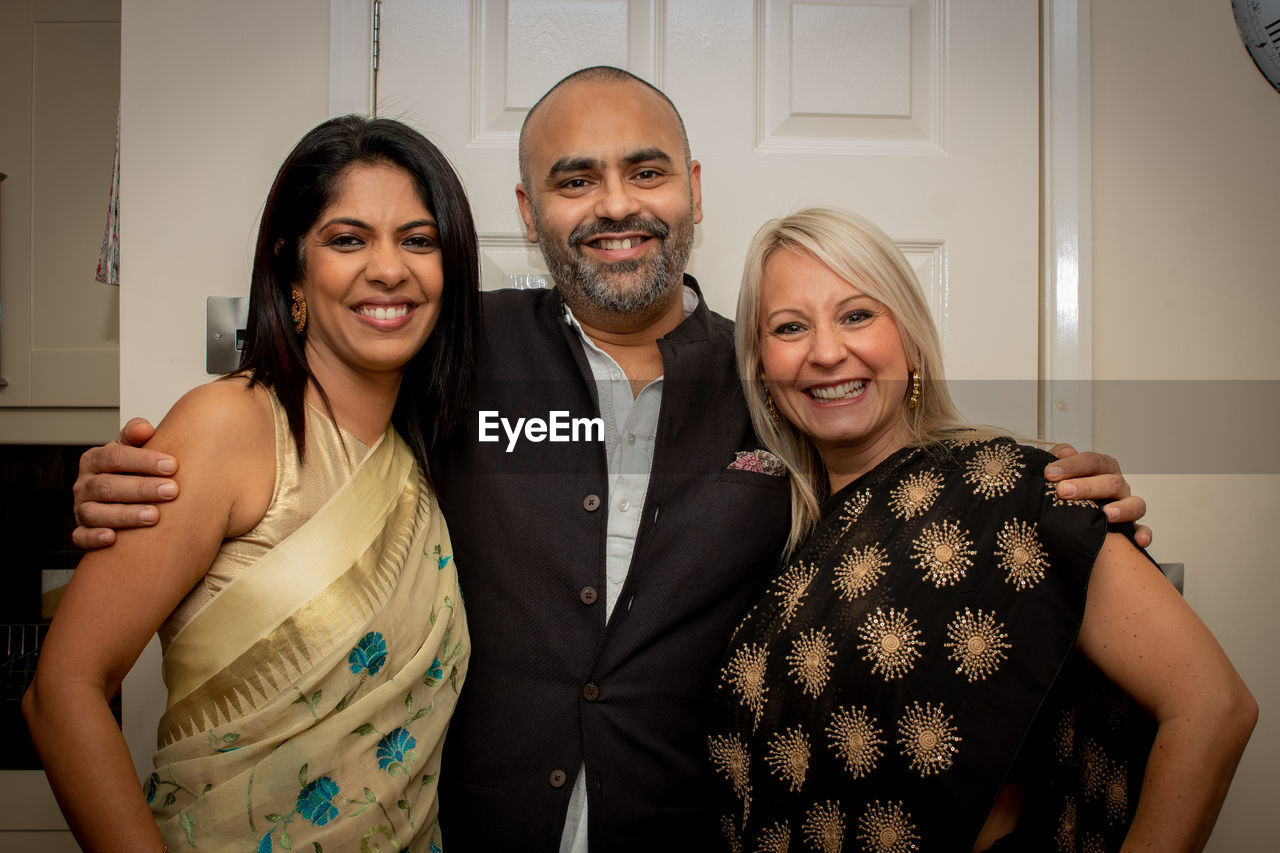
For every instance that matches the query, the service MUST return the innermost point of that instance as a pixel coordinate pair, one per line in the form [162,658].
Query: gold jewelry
[773,410]
[298,311]
[914,402]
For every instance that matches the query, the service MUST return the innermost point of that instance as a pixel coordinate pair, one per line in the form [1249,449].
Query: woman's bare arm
[120,596]
[1140,632]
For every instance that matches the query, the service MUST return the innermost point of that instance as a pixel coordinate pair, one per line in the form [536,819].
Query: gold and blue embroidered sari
[308,700]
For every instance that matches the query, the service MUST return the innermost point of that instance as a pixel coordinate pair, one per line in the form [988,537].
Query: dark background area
[36,523]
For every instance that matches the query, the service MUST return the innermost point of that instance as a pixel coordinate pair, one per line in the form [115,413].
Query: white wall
[1186,287]
[213,96]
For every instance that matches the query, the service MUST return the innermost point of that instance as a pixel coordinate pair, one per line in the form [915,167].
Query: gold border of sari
[268,626]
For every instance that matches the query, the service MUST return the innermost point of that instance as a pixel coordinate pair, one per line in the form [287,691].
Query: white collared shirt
[630,433]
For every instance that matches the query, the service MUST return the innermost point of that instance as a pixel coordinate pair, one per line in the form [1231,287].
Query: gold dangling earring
[298,311]
[914,402]
[773,410]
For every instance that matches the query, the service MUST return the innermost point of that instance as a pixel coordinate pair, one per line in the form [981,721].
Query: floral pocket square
[760,461]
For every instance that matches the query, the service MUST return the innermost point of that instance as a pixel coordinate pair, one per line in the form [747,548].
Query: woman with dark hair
[302,585]
[925,672]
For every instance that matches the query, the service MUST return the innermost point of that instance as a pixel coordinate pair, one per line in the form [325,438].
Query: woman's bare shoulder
[226,413]
[223,436]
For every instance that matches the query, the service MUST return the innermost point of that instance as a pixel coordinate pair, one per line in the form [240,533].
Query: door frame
[1066,204]
[1065,368]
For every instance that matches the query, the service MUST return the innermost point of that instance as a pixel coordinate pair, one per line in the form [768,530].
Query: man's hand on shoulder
[1097,476]
[118,486]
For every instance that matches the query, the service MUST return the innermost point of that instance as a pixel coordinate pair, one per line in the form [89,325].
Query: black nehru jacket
[550,685]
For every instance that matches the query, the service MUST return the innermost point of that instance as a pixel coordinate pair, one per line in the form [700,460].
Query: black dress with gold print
[914,656]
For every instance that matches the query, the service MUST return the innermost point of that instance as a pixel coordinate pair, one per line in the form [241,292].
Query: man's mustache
[645,225]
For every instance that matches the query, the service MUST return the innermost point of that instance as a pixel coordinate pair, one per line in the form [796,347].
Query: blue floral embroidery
[436,671]
[264,846]
[393,748]
[435,848]
[315,801]
[444,561]
[369,654]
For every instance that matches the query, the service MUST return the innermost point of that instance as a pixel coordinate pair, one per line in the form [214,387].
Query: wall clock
[1259,25]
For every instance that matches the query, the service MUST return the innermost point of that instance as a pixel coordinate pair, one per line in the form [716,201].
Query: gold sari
[308,701]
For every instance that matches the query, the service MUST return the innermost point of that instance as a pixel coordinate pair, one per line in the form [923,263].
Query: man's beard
[597,281]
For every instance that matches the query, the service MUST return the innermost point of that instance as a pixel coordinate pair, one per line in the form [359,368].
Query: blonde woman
[951,657]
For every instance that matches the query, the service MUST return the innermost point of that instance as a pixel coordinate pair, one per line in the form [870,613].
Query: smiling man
[602,580]
[615,223]
[610,194]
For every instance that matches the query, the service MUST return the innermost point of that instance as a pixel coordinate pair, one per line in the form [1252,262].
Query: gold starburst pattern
[791,588]
[1093,768]
[855,738]
[1051,492]
[730,833]
[774,838]
[1116,795]
[928,738]
[1020,554]
[732,760]
[787,755]
[1093,843]
[891,641]
[978,642]
[943,552]
[854,506]
[993,470]
[887,828]
[810,660]
[859,571]
[823,827]
[1064,736]
[915,494]
[745,675]
[745,621]
[1065,837]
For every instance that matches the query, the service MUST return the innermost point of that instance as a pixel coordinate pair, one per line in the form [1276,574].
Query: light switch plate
[225,321]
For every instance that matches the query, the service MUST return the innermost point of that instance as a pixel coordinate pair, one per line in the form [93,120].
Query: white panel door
[921,114]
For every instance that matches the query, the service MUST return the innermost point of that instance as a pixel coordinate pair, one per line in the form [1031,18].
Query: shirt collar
[689,304]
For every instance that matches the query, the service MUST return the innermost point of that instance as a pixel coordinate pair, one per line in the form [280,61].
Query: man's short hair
[598,74]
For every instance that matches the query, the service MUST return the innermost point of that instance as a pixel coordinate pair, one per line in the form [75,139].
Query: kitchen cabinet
[59,328]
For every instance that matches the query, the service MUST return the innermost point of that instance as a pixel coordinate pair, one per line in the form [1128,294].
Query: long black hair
[436,388]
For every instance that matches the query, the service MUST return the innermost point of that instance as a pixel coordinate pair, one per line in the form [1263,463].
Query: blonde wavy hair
[855,249]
